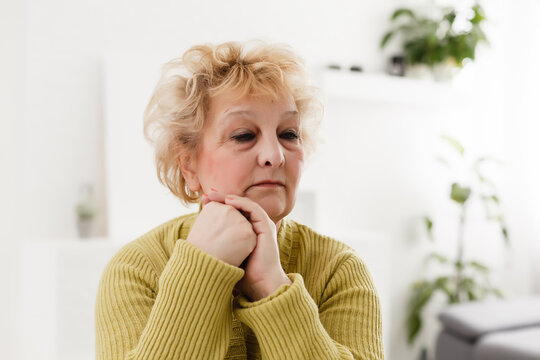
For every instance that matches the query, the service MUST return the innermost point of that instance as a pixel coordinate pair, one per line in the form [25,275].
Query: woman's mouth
[269,184]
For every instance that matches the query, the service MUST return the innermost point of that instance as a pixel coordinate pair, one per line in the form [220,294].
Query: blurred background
[402,124]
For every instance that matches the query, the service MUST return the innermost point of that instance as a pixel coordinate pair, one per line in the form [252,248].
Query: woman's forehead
[229,101]
[226,105]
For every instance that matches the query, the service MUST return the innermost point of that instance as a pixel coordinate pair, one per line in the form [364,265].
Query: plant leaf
[480,267]
[504,231]
[386,38]
[429,227]
[443,161]
[439,257]
[460,194]
[485,180]
[471,288]
[497,292]
[422,292]
[454,143]
[442,283]
[488,158]
[403,12]
[478,14]
[414,324]
[450,17]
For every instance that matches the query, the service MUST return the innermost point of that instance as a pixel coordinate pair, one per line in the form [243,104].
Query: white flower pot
[84,227]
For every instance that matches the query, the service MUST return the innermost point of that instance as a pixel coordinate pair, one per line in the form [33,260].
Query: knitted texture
[160,297]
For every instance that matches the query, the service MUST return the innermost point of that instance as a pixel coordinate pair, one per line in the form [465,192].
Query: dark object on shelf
[334,67]
[396,65]
[356,68]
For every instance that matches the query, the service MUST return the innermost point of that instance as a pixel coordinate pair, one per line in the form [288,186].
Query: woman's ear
[189,171]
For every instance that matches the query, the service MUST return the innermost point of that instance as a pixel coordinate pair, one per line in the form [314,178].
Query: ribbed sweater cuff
[287,324]
[194,302]
[203,269]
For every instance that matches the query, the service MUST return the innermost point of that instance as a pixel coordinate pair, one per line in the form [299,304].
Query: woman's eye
[241,138]
[289,135]
[247,137]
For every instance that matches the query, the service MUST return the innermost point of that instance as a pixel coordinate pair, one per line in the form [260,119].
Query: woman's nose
[271,153]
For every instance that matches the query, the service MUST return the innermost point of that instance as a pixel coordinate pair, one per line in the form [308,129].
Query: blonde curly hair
[175,116]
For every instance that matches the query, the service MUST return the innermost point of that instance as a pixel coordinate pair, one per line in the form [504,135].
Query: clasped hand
[238,231]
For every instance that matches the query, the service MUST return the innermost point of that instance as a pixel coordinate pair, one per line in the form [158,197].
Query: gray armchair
[491,330]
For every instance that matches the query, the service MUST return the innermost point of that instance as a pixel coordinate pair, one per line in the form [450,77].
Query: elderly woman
[232,124]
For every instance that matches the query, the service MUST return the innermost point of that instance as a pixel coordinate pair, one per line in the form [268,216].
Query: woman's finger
[217,196]
[205,199]
[255,213]
[214,195]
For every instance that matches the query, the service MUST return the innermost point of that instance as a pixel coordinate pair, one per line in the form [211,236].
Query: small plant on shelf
[450,38]
[85,211]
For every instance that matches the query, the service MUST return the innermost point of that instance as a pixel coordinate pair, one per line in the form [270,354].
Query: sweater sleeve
[190,317]
[347,325]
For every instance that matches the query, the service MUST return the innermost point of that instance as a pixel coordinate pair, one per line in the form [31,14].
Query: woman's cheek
[299,157]
[233,174]
[299,164]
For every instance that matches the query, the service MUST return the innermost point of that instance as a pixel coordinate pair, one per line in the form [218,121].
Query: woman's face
[250,147]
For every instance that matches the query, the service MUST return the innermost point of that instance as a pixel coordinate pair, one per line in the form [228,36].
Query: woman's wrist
[268,288]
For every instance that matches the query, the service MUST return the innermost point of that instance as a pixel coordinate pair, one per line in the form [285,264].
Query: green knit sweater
[162,298]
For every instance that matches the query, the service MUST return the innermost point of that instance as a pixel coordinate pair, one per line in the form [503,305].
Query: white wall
[522,128]
[63,128]
[12,55]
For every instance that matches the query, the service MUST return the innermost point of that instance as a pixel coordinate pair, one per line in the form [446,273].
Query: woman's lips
[269,185]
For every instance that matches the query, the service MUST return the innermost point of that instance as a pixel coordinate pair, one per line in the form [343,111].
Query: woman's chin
[275,210]
[275,203]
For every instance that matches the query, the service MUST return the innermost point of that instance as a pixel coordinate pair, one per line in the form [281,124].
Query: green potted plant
[442,43]
[85,211]
[461,279]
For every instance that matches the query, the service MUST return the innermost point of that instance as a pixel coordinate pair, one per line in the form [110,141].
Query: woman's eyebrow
[290,113]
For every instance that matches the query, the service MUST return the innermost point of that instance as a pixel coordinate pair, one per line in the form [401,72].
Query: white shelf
[385,89]
[71,242]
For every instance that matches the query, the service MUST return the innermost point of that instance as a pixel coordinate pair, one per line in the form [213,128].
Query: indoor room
[407,224]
